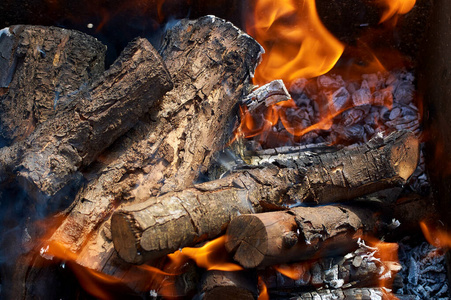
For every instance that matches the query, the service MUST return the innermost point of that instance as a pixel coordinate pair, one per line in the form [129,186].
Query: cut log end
[248,240]
[124,237]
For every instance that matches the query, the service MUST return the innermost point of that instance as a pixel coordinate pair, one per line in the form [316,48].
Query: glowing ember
[296,42]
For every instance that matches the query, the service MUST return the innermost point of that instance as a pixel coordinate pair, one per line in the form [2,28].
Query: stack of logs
[127,147]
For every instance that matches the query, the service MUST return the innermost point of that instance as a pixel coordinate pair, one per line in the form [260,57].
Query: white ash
[361,267]
[379,102]
[423,272]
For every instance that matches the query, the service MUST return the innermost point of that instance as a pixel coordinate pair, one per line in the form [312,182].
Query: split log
[216,285]
[297,234]
[70,140]
[164,224]
[38,67]
[211,62]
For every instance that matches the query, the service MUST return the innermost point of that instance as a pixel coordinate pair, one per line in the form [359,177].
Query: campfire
[294,158]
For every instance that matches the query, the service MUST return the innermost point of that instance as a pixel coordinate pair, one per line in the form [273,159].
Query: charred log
[39,66]
[346,174]
[342,294]
[238,285]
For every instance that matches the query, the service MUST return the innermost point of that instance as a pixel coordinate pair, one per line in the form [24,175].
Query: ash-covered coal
[423,272]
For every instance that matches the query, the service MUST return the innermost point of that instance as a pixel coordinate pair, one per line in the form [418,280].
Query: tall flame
[394,7]
[297,43]
[263,290]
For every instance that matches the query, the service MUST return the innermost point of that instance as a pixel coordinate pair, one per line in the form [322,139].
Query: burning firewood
[93,120]
[151,229]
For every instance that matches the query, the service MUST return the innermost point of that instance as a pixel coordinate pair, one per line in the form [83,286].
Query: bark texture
[164,224]
[38,66]
[88,124]
[211,62]
[296,234]
[380,164]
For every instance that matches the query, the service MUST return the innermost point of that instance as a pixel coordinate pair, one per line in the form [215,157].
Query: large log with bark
[39,66]
[55,152]
[211,62]
[164,224]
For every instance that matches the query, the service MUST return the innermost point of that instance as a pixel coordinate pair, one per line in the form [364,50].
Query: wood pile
[128,147]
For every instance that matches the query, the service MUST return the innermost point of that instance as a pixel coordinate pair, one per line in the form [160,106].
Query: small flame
[142,278]
[387,254]
[263,290]
[211,256]
[294,271]
[96,283]
[395,7]
[297,44]
[436,237]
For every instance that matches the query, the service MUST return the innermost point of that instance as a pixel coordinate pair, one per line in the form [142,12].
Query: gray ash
[423,272]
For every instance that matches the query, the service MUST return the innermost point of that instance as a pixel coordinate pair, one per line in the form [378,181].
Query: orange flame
[97,284]
[294,271]
[211,256]
[387,253]
[436,237]
[296,42]
[263,290]
[395,7]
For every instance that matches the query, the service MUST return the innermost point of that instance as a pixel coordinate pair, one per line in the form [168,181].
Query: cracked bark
[39,66]
[70,140]
[297,234]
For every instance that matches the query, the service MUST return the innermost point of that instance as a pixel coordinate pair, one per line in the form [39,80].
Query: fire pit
[303,156]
